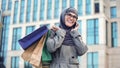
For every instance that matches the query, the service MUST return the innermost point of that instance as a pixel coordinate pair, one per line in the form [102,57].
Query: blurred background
[99,22]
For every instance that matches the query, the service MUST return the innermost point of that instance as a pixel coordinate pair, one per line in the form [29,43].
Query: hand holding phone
[76,27]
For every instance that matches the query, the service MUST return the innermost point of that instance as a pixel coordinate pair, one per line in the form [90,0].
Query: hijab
[68,38]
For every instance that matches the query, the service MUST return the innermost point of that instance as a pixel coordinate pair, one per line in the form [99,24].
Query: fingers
[55,28]
[76,27]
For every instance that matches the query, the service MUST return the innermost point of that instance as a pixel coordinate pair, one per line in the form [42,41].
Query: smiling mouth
[69,21]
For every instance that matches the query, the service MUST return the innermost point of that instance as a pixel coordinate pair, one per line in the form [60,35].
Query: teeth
[69,21]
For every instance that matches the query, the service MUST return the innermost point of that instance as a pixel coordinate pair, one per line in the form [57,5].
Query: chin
[69,25]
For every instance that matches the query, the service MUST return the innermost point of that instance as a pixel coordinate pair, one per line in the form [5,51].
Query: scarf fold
[68,39]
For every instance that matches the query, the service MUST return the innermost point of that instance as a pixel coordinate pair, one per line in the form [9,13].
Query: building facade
[99,26]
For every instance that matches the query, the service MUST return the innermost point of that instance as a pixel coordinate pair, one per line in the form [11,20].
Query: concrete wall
[113,57]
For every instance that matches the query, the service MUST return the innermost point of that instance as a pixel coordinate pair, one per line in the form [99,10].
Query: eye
[75,17]
[69,15]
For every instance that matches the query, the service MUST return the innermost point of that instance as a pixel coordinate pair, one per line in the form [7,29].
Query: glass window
[92,60]
[114,34]
[79,58]
[29,29]
[88,7]
[27,65]
[35,8]
[48,25]
[9,4]
[3,5]
[22,6]
[80,7]
[56,10]
[0,18]
[42,9]
[15,62]
[92,31]
[4,41]
[15,37]
[96,7]
[95,59]
[49,9]
[113,12]
[28,11]
[80,26]
[15,12]
[64,4]
[72,3]
[57,24]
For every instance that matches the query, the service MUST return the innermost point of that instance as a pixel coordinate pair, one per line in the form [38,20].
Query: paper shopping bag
[26,55]
[28,40]
[37,53]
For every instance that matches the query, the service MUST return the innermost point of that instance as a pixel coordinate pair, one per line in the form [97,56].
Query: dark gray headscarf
[62,17]
[68,38]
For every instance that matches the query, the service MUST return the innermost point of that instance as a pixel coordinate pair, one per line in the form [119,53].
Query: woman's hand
[76,27]
[55,28]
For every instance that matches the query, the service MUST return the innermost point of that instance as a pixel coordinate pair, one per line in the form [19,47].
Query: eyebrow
[75,16]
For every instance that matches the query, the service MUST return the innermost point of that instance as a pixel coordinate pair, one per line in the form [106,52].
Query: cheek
[65,18]
[66,22]
[69,24]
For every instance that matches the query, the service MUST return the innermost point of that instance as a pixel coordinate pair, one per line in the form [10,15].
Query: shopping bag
[34,52]
[26,55]
[37,53]
[46,55]
[28,40]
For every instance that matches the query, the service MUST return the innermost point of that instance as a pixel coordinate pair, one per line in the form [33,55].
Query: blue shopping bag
[28,40]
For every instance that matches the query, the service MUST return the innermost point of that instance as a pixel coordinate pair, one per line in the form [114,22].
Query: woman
[65,42]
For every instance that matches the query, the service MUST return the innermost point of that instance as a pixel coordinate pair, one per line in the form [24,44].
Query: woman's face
[70,19]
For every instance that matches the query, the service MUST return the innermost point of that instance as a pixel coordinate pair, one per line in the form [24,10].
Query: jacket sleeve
[80,46]
[55,40]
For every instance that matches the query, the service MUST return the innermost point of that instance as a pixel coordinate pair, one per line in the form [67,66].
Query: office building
[99,26]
